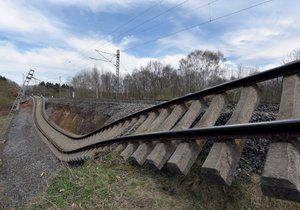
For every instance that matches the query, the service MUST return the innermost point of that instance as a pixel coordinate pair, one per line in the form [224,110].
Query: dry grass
[112,184]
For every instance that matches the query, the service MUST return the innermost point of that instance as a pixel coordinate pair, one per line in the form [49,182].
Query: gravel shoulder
[27,164]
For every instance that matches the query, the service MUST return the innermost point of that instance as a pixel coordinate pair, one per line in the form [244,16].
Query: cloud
[50,63]
[262,45]
[44,60]
[100,5]
[25,19]
[184,42]
[256,37]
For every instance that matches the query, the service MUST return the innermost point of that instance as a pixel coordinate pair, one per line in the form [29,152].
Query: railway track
[173,133]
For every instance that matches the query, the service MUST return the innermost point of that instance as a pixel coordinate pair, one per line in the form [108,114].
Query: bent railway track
[173,133]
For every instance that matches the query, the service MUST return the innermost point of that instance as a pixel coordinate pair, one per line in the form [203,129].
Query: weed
[110,183]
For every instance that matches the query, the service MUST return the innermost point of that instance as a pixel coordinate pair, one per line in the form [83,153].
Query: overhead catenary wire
[146,21]
[199,24]
[106,52]
[150,19]
[105,58]
[153,18]
[163,22]
[191,27]
[135,17]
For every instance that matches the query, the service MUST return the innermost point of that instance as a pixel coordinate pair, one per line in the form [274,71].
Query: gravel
[255,151]
[27,163]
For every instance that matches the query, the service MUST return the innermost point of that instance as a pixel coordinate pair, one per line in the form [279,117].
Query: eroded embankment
[88,116]
[83,116]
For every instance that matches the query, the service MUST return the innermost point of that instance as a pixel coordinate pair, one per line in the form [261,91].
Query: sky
[57,38]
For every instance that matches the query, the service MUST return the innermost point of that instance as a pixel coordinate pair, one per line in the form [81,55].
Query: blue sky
[57,37]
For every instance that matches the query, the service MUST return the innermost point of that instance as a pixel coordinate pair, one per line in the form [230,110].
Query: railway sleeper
[142,151]
[186,153]
[281,174]
[222,160]
[140,154]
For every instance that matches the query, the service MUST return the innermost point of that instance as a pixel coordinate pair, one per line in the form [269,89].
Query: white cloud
[286,21]
[253,38]
[172,60]
[44,60]
[25,19]
[262,45]
[252,35]
[51,62]
[185,42]
[100,5]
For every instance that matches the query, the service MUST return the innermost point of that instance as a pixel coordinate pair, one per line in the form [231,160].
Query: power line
[110,61]
[199,24]
[131,20]
[148,20]
[157,25]
[106,52]
[135,17]
[153,18]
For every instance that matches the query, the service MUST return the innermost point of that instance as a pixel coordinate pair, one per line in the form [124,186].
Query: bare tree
[200,68]
[155,80]
[95,81]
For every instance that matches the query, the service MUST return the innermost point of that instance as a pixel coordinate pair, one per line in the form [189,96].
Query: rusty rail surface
[163,136]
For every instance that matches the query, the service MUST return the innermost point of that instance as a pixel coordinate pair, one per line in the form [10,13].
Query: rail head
[284,70]
[284,129]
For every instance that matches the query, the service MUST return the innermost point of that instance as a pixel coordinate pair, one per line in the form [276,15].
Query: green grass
[7,97]
[110,183]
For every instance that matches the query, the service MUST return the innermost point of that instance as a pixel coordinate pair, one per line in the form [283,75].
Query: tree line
[198,70]
[49,89]
[8,92]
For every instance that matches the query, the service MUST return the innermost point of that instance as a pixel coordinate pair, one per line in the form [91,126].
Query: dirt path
[27,163]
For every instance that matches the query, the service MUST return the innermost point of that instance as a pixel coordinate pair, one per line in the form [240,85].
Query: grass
[110,183]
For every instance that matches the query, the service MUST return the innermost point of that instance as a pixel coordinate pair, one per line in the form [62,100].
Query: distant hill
[8,92]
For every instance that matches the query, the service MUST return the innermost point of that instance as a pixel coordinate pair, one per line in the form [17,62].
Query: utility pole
[118,73]
[59,86]
[116,64]
[16,105]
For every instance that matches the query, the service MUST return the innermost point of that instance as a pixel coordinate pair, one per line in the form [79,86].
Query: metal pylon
[16,105]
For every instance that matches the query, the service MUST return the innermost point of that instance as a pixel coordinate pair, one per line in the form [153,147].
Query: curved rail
[287,69]
[286,128]
[173,133]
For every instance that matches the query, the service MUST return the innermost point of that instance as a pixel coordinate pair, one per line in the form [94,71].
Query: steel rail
[287,69]
[277,128]
[40,128]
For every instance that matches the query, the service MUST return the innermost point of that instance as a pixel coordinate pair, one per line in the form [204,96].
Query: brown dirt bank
[84,116]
